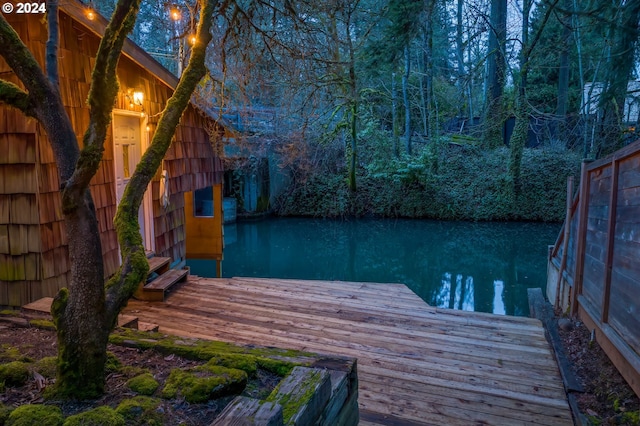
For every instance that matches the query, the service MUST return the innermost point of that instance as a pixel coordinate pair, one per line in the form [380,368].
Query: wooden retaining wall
[601,279]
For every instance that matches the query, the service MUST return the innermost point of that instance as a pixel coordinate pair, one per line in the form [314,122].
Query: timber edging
[540,309]
[307,396]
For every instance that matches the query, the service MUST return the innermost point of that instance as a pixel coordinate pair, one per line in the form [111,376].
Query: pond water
[485,267]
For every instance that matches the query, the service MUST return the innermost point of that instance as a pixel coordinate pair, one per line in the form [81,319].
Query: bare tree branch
[52,43]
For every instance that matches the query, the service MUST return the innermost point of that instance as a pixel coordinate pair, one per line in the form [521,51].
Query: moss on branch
[11,94]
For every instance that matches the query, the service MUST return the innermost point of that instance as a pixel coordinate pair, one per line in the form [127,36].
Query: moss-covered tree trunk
[521,130]
[86,311]
[494,104]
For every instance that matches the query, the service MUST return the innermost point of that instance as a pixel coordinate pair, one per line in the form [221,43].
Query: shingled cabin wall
[33,247]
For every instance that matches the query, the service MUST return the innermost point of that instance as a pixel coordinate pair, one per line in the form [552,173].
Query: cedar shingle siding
[33,247]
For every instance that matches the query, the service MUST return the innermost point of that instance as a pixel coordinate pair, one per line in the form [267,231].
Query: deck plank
[417,364]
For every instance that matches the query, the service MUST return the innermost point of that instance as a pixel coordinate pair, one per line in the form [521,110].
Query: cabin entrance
[129,143]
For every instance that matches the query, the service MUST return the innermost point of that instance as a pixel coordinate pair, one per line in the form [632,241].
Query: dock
[417,364]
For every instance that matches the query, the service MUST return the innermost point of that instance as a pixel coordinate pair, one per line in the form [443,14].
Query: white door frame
[147,202]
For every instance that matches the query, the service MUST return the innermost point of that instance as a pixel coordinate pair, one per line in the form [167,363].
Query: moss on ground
[15,373]
[144,384]
[43,324]
[36,414]
[5,410]
[46,366]
[274,360]
[140,410]
[200,384]
[10,353]
[132,371]
[101,416]
[113,364]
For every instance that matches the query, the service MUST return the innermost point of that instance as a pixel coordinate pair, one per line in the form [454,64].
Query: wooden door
[128,145]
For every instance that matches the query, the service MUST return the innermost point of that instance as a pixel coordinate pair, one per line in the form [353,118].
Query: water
[485,267]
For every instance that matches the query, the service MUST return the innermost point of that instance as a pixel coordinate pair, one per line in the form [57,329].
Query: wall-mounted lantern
[138,97]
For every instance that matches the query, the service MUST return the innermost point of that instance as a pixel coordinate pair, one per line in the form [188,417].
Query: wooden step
[147,326]
[43,307]
[40,306]
[159,265]
[156,289]
[128,321]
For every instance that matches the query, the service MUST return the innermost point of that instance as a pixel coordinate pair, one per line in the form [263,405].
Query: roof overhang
[78,12]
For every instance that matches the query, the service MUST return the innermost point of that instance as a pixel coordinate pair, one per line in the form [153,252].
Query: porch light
[138,97]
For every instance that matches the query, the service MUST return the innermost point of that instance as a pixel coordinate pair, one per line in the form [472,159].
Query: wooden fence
[594,266]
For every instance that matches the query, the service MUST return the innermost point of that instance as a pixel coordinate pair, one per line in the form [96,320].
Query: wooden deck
[416,364]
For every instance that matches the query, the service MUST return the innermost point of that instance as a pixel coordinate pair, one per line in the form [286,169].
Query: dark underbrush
[456,183]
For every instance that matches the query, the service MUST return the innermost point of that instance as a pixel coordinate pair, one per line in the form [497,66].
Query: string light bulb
[91,14]
[175,13]
[192,39]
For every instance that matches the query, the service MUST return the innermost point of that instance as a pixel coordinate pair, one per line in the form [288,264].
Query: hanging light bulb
[175,13]
[91,14]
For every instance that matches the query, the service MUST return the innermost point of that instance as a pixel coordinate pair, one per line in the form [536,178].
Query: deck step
[43,307]
[147,326]
[159,265]
[156,289]
[40,306]
[128,321]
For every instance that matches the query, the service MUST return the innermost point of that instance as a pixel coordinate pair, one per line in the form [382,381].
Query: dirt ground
[35,343]
[607,399]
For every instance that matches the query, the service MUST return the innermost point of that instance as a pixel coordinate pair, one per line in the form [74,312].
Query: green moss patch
[113,363]
[15,373]
[10,353]
[43,324]
[203,383]
[144,384]
[140,410]
[46,366]
[275,360]
[5,410]
[36,414]
[101,416]
[246,363]
[130,371]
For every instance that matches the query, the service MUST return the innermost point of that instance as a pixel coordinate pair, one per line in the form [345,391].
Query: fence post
[565,242]
[583,211]
[611,229]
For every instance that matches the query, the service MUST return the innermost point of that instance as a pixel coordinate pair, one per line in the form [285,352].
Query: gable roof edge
[77,11]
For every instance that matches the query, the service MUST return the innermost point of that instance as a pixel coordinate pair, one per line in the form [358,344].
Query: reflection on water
[484,267]
[456,295]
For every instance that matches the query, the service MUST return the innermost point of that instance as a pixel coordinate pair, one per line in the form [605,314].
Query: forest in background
[403,107]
